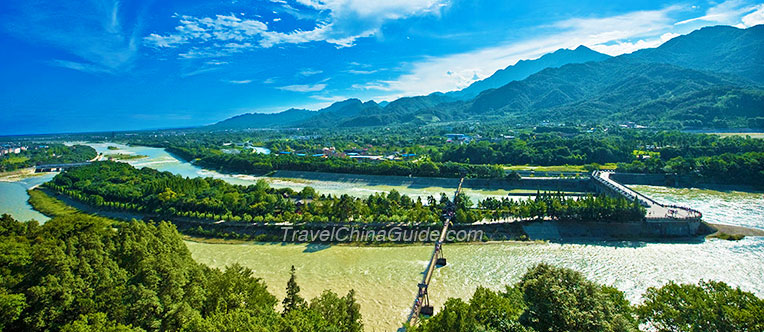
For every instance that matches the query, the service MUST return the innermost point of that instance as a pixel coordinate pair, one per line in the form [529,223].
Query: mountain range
[710,78]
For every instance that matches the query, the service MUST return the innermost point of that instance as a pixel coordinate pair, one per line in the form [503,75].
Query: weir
[422,302]
[655,211]
[56,167]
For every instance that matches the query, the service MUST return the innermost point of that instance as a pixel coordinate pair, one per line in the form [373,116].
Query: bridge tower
[441,261]
[426,308]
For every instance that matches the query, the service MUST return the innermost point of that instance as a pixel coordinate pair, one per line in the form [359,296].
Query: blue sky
[93,65]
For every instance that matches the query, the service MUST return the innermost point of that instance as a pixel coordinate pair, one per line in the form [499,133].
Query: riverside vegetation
[425,152]
[119,186]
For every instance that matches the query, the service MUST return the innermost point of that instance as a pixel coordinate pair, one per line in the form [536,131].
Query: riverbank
[679,181]
[736,230]
[19,174]
[210,231]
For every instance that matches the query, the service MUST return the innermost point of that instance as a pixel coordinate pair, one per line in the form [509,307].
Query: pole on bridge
[422,302]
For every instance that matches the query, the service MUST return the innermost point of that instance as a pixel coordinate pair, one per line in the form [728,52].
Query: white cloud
[92,33]
[379,86]
[457,71]
[238,81]
[80,66]
[362,72]
[303,87]
[164,41]
[343,23]
[623,47]
[310,72]
[754,18]
[728,12]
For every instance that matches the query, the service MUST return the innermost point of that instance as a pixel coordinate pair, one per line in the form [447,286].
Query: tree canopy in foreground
[82,273]
[548,298]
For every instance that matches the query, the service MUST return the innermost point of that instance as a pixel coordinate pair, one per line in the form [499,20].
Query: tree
[513,176]
[342,312]
[97,322]
[292,301]
[707,306]
[560,299]
[11,306]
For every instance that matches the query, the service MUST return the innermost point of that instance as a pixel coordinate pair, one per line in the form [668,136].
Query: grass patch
[53,207]
[50,206]
[14,160]
[557,168]
[212,240]
[125,156]
[728,237]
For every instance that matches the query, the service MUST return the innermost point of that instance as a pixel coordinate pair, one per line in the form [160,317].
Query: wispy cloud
[754,18]
[345,22]
[379,86]
[310,72]
[623,47]
[238,81]
[91,32]
[362,72]
[727,12]
[303,87]
[84,67]
[613,35]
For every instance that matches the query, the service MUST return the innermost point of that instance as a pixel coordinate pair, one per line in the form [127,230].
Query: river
[385,278]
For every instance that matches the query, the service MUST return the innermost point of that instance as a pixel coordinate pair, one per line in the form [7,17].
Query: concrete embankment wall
[543,184]
[555,231]
[532,230]
[649,179]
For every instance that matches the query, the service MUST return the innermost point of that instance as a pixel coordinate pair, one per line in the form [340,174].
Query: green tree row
[119,186]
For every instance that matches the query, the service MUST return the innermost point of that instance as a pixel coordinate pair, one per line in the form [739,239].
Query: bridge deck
[62,165]
[655,210]
[424,285]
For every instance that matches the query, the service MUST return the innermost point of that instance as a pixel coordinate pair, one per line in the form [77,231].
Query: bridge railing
[644,200]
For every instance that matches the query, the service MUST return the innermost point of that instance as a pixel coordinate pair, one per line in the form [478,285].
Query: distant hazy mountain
[524,68]
[704,79]
[335,114]
[264,120]
[624,90]
[711,78]
[721,49]
[398,110]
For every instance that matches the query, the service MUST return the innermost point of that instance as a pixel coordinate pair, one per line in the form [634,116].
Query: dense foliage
[704,158]
[46,154]
[119,186]
[743,168]
[559,207]
[80,273]
[557,299]
[254,163]
[707,306]
[545,299]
